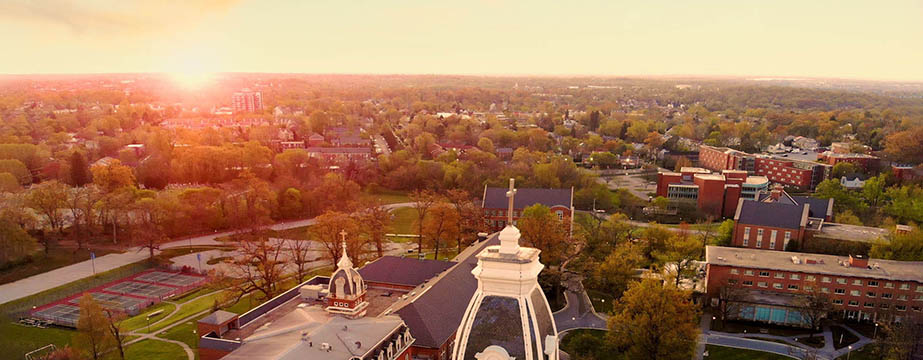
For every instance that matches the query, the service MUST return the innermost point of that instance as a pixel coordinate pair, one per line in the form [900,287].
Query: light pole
[148,318]
[875,335]
[848,352]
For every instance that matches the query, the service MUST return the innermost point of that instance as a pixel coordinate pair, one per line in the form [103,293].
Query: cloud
[112,17]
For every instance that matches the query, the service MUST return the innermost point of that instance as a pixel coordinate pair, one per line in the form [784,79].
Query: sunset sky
[880,40]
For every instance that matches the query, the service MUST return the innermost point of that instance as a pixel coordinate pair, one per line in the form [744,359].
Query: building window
[732,281]
[810,278]
[746,242]
[869,305]
[795,277]
[764,274]
[560,215]
[748,273]
[915,308]
[873,283]
[825,279]
[759,234]
[887,295]
[780,275]
[889,285]
[746,233]
[762,284]
[920,289]
[838,301]
[884,306]
[853,303]
[777,285]
[905,286]
[824,290]
[748,283]
[839,291]
[900,307]
[772,239]
[902,297]
[857,282]
[808,288]
[759,241]
[841,281]
[793,287]
[854,293]
[870,294]
[735,272]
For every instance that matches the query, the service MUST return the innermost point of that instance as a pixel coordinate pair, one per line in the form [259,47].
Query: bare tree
[729,298]
[374,219]
[258,268]
[115,329]
[903,339]
[423,201]
[470,219]
[327,231]
[442,225]
[299,251]
[815,306]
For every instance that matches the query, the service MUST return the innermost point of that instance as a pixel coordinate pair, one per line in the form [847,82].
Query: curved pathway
[578,313]
[60,276]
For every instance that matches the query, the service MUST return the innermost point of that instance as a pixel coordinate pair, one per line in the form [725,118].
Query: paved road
[753,344]
[578,313]
[54,278]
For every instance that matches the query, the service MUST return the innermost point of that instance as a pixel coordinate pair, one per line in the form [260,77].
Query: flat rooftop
[823,264]
[697,170]
[804,155]
[756,180]
[851,232]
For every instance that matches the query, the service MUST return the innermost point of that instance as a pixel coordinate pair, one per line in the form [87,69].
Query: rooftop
[697,170]
[772,214]
[851,232]
[403,271]
[495,198]
[218,317]
[813,263]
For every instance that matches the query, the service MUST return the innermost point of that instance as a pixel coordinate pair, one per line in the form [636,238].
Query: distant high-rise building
[247,101]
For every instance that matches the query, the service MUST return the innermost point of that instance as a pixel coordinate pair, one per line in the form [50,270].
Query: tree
[723,233]
[654,322]
[326,231]
[653,238]
[543,230]
[842,198]
[259,266]
[874,189]
[814,305]
[375,219]
[290,203]
[904,146]
[298,255]
[485,144]
[79,170]
[902,338]
[679,254]
[17,169]
[115,330]
[423,201]
[471,221]
[48,198]
[847,217]
[112,176]
[729,297]
[9,183]
[442,224]
[92,338]
[619,268]
[681,163]
[903,247]
[843,169]
[15,243]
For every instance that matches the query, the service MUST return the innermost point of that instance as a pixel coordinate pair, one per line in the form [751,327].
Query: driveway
[60,276]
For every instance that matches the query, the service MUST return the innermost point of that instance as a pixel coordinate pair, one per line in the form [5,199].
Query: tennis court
[141,289]
[113,301]
[60,314]
[174,279]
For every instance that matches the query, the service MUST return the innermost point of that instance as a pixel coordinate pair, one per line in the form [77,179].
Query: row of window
[826,279]
[883,306]
[837,291]
[759,237]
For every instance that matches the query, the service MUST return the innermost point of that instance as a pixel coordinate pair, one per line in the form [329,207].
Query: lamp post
[148,318]
[875,335]
[848,352]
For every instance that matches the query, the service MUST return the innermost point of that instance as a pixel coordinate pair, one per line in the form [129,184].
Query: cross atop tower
[510,194]
[344,259]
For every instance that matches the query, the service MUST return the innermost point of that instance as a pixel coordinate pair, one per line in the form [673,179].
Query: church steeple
[508,317]
[346,288]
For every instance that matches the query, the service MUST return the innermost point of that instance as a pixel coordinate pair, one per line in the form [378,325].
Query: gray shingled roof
[770,214]
[818,207]
[218,317]
[495,198]
[402,271]
[435,314]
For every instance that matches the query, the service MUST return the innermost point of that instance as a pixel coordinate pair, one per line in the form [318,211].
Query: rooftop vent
[796,260]
[325,347]
[858,260]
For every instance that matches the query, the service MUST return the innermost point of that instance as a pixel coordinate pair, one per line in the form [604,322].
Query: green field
[153,349]
[140,320]
[17,340]
[56,258]
[402,222]
[387,196]
[716,352]
[184,332]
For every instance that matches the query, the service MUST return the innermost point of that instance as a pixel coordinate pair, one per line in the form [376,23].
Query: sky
[876,40]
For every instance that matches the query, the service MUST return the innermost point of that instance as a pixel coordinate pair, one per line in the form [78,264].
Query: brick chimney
[776,192]
[858,261]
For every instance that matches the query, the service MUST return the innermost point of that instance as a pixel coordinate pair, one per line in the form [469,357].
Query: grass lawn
[56,258]
[602,301]
[847,337]
[716,352]
[140,320]
[817,342]
[16,340]
[757,328]
[587,344]
[201,304]
[184,333]
[387,196]
[868,352]
[402,222]
[153,349]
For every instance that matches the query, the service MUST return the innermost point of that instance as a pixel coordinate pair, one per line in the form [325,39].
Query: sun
[192,70]
[191,80]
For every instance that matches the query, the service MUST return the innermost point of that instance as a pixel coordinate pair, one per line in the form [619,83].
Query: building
[805,143]
[315,320]
[863,161]
[340,154]
[797,170]
[905,172]
[493,203]
[247,101]
[858,288]
[776,219]
[853,181]
[508,316]
[714,194]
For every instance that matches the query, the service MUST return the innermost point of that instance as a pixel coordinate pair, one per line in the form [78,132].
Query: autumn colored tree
[470,217]
[904,146]
[619,269]
[79,169]
[92,338]
[48,198]
[442,224]
[259,268]
[326,231]
[654,322]
[543,230]
[678,255]
[375,219]
[15,243]
[423,201]
[112,176]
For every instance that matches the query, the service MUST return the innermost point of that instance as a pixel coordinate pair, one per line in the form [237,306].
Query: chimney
[776,192]
[860,261]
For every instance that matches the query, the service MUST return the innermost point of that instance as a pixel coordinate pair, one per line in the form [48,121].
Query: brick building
[863,161]
[858,288]
[714,194]
[494,204]
[247,101]
[340,154]
[779,169]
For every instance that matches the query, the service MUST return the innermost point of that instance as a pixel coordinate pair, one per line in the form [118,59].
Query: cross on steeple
[344,259]
[510,194]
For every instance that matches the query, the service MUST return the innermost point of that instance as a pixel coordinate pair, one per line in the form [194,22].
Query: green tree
[92,339]
[290,204]
[18,169]
[679,254]
[48,198]
[723,234]
[874,189]
[904,247]
[485,144]
[654,322]
[15,243]
[543,230]
[847,217]
[619,268]
[843,169]
[79,169]
[842,198]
